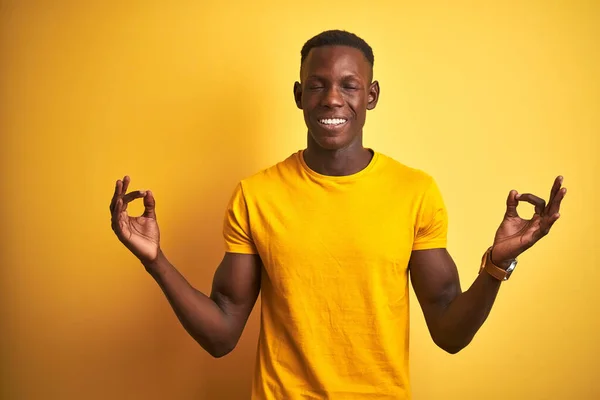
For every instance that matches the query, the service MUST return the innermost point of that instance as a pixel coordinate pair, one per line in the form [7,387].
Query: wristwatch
[499,273]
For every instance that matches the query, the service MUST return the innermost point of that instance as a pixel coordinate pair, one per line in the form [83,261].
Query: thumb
[511,204]
[149,205]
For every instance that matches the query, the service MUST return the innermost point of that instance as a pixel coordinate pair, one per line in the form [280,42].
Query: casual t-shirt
[334,285]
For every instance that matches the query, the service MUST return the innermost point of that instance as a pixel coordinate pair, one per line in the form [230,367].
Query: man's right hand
[139,234]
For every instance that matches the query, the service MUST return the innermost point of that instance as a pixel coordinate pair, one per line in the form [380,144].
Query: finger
[149,205]
[555,188]
[554,206]
[511,204]
[116,214]
[116,195]
[129,197]
[539,203]
[545,226]
[126,180]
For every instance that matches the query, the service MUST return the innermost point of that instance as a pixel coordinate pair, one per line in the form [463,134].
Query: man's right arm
[216,322]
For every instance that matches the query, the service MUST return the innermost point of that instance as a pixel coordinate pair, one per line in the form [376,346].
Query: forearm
[200,315]
[466,313]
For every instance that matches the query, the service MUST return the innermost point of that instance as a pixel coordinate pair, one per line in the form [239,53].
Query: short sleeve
[432,220]
[236,225]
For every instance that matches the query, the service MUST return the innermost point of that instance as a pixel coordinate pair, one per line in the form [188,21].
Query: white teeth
[332,121]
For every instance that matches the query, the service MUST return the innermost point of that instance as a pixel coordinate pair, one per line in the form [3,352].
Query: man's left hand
[515,234]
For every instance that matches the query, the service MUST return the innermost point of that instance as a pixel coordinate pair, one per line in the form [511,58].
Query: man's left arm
[454,317]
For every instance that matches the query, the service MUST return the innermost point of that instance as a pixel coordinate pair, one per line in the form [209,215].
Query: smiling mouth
[332,123]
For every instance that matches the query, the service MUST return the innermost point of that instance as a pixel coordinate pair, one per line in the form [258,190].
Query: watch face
[512,266]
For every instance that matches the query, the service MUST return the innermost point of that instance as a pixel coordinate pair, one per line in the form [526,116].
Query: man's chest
[312,241]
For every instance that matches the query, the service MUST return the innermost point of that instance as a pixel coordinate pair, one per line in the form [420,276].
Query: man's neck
[340,162]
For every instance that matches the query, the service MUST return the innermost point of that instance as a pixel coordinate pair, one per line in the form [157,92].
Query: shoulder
[407,176]
[272,176]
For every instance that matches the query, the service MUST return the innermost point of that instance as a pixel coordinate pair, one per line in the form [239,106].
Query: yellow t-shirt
[335,249]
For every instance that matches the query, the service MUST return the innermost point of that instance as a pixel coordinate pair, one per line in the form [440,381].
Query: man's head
[336,88]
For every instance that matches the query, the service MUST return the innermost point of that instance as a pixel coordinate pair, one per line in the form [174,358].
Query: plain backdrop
[189,97]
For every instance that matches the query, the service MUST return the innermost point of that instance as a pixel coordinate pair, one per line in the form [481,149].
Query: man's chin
[330,140]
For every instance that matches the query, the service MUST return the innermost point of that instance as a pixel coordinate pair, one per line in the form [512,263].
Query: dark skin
[335,92]
[334,85]
[216,322]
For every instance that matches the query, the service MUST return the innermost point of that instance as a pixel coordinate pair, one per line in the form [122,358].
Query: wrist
[155,265]
[504,264]
[488,265]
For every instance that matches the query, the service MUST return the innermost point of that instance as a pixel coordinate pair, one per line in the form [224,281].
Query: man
[328,236]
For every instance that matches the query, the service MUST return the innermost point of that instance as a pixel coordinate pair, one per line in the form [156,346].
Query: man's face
[335,93]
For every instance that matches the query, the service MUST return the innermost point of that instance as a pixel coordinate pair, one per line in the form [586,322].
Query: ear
[298,94]
[373,96]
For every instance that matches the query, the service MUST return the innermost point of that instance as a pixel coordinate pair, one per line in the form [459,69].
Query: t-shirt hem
[240,249]
[439,244]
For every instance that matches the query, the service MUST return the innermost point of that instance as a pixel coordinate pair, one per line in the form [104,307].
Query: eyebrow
[347,76]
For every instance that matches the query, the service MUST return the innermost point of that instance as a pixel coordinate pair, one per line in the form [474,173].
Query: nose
[332,98]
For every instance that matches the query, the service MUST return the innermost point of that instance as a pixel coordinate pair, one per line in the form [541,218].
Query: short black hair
[337,38]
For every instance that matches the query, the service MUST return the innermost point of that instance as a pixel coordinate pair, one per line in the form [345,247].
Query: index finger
[539,203]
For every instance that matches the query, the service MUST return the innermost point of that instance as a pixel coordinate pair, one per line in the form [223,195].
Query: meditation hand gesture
[515,234]
[139,234]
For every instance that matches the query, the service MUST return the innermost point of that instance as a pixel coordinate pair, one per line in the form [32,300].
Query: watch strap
[488,266]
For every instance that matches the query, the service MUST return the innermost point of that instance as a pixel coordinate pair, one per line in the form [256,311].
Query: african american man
[328,237]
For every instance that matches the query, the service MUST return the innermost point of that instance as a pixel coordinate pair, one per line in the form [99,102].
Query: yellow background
[188,98]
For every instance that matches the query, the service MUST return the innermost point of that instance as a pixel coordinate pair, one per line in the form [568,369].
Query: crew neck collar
[338,178]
